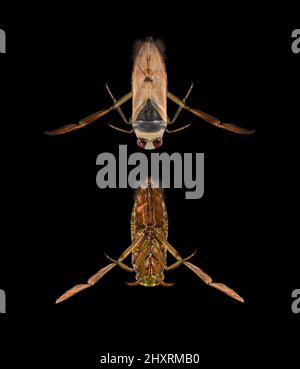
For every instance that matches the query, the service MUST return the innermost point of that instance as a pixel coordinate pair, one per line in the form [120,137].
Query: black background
[58,224]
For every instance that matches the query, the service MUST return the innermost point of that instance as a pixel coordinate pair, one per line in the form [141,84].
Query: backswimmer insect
[149,94]
[149,247]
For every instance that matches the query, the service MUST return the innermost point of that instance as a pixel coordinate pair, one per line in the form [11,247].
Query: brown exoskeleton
[149,95]
[149,247]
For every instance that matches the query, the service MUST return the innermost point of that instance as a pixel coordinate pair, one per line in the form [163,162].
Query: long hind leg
[199,272]
[101,273]
[208,280]
[179,262]
[209,118]
[90,119]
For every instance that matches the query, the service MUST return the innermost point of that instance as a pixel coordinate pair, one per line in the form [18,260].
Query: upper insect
[149,93]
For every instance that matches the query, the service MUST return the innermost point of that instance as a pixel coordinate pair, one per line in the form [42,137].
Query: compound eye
[141,143]
[157,143]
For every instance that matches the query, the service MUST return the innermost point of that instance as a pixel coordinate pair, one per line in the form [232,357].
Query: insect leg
[119,109]
[210,119]
[91,118]
[177,129]
[101,273]
[120,129]
[180,107]
[199,272]
[137,241]
[166,284]
[169,247]
[121,265]
[179,262]
[208,280]
[79,287]
[133,284]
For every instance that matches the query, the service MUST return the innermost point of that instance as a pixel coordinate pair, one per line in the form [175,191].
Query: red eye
[142,143]
[157,143]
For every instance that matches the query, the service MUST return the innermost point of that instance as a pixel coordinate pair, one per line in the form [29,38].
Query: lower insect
[149,248]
